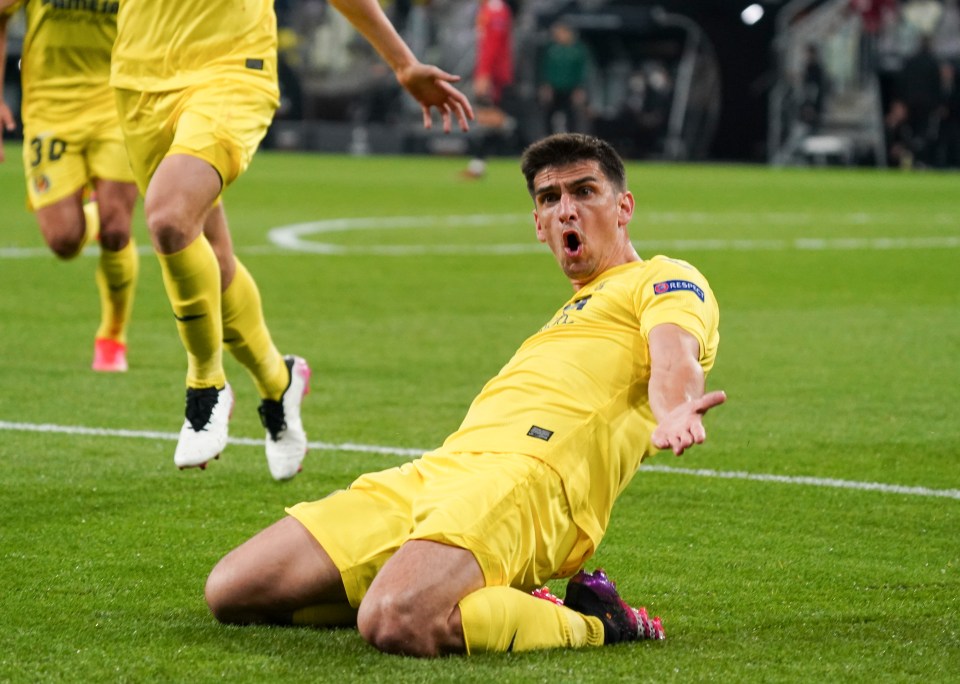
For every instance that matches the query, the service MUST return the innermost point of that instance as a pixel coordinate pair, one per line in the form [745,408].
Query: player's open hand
[7,123]
[431,86]
[683,426]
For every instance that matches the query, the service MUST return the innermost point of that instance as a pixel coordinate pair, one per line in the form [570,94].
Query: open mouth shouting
[572,243]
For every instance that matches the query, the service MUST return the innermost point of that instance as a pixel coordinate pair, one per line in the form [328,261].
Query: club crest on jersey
[677,285]
[41,184]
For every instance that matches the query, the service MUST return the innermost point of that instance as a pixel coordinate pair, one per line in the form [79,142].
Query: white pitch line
[414,453]
[299,237]
[806,480]
[173,436]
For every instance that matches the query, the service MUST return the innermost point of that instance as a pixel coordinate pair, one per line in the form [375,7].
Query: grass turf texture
[840,362]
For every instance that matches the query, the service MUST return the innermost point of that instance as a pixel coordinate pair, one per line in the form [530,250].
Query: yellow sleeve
[679,294]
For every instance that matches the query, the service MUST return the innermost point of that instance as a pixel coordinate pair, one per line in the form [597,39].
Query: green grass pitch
[816,537]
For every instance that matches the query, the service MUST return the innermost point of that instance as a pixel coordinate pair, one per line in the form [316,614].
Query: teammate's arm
[429,85]
[7,122]
[676,389]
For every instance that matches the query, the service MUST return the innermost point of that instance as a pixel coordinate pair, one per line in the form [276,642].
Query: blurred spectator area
[863,47]
[655,83]
[673,79]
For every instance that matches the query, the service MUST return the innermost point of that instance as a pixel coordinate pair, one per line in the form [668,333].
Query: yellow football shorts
[221,121]
[509,510]
[60,158]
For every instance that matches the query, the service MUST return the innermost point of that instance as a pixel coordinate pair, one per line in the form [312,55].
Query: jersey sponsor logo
[677,286]
[540,433]
[254,64]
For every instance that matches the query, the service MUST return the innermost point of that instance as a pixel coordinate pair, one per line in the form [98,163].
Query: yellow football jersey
[575,393]
[173,44]
[65,68]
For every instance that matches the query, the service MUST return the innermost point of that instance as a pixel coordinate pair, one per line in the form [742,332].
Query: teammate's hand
[431,87]
[683,426]
[7,123]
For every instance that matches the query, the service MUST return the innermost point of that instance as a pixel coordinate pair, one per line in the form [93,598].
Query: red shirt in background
[494,67]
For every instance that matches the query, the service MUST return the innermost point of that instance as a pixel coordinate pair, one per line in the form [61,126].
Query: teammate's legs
[115,204]
[64,225]
[281,381]
[67,226]
[245,333]
[189,145]
[217,232]
[178,198]
[117,270]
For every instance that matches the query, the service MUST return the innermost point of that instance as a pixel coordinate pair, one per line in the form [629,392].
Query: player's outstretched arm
[676,389]
[430,86]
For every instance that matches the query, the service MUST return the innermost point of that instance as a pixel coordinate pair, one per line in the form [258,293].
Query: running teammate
[73,151]
[197,88]
[440,555]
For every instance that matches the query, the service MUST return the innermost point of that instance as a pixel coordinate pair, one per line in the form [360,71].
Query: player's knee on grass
[228,596]
[397,624]
[218,596]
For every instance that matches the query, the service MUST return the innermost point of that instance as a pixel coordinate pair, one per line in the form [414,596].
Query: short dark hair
[567,148]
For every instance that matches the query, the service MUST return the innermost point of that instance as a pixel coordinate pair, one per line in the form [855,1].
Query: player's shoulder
[662,267]
[666,264]
[665,275]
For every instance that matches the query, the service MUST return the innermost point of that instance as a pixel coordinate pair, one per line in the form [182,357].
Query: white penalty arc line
[296,237]
[351,447]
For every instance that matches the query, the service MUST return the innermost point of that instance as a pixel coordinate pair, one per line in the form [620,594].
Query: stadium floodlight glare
[751,14]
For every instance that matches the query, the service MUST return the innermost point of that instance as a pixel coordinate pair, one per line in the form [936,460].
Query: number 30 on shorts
[55,148]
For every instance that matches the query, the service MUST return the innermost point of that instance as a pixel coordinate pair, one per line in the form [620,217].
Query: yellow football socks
[116,277]
[498,619]
[91,215]
[191,278]
[245,335]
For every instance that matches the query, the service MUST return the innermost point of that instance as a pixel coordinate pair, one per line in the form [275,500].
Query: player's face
[582,217]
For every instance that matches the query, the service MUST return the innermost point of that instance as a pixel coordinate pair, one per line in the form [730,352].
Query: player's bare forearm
[429,85]
[369,19]
[676,389]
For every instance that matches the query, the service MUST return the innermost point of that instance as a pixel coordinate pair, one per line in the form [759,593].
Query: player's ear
[541,234]
[625,208]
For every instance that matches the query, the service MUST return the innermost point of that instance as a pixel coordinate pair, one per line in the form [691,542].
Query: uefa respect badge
[677,285]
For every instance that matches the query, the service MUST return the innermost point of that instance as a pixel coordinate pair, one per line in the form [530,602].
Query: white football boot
[286,440]
[204,432]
